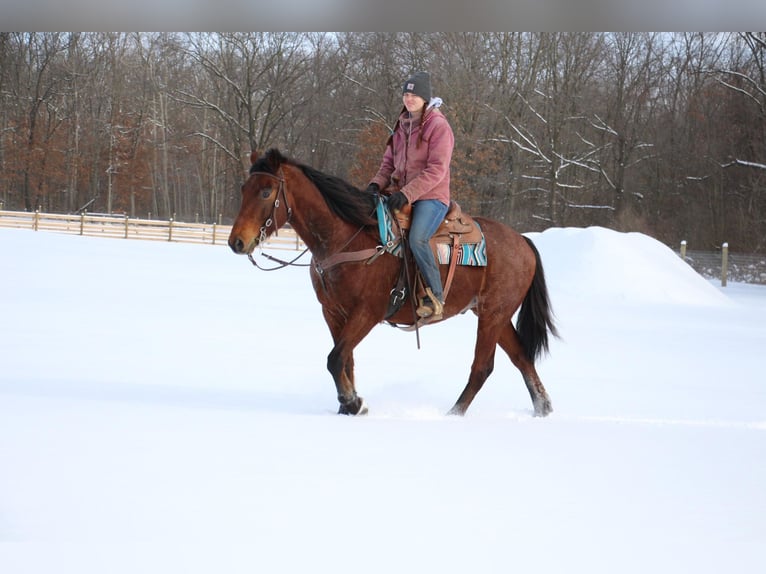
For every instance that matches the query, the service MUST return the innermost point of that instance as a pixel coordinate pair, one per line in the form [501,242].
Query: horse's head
[262,195]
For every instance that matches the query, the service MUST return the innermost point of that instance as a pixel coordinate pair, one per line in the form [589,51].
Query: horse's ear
[254,156]
[274,158]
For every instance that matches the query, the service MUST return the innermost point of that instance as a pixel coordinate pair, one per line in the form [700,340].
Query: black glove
[397,201]
[373,188]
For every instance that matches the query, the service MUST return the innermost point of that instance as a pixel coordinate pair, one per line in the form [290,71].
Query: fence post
[82,221]
[126,226]
[36,220]
[683,250]
[214,228]
[170,229]
[724,263]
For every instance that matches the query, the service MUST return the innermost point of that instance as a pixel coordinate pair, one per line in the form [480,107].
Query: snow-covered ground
[165,408]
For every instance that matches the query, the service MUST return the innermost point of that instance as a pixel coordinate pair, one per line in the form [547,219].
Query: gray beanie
[419,84]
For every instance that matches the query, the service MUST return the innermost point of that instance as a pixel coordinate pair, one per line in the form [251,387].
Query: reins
[282,262]
[370,254]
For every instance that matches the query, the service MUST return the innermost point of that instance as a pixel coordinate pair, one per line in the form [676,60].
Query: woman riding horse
[352,279]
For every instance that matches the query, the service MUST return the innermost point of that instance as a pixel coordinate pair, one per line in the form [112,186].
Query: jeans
[427,214]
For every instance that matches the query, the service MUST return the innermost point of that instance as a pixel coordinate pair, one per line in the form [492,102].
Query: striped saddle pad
[473,252]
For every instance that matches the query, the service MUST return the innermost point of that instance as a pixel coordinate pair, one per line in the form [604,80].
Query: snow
[166,408]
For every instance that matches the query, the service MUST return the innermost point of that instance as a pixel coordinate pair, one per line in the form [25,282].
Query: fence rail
[128,228]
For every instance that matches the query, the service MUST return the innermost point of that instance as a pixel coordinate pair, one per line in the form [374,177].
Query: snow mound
[600,262]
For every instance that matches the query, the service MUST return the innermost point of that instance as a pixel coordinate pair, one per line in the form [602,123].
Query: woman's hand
[397,201]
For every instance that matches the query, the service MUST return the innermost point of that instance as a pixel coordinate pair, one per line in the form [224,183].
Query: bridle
[271,220]
[342,256]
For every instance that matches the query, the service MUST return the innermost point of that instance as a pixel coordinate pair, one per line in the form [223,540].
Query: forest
[661,133]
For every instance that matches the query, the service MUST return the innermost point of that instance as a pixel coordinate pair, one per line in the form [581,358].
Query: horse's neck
[323,232]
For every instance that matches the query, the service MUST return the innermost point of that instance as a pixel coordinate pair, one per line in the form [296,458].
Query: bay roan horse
[337,221]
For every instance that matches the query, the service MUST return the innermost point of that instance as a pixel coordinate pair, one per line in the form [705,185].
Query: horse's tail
[535,318]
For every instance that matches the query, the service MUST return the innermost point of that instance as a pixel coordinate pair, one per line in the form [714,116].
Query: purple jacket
[421,168]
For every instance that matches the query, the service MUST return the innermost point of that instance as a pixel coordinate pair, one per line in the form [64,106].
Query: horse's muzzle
[239,247]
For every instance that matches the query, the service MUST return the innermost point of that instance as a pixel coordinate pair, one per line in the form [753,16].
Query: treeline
[653,132]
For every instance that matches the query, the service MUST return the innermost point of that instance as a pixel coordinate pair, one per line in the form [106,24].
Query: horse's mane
[346,201]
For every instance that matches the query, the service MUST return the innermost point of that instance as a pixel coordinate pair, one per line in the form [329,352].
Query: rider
[417,158]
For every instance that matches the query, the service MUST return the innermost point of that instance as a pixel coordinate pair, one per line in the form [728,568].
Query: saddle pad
[468,253]
[388,238]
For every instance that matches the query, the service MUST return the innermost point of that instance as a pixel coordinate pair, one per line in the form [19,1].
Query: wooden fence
[128,228]
[726,266]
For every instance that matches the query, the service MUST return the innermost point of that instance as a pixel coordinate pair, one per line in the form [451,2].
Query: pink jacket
[422,171]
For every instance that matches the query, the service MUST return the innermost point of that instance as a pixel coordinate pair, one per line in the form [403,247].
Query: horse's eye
[266,192]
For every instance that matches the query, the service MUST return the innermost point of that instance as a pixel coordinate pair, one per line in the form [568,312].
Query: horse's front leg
[342,371]
[340,361]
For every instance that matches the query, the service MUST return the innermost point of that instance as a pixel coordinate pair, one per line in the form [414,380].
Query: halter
[271,220]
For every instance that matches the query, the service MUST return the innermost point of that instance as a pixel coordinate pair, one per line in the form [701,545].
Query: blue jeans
[427,214]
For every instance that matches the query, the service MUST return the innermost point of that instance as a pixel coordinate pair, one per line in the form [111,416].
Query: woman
[417,160]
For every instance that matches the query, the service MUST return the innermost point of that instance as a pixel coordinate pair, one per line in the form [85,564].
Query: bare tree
[633,71]
[32,87]
[251,86]
[662,133]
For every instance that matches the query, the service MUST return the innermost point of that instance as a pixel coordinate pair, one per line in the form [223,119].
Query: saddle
[456,225]
[457,228]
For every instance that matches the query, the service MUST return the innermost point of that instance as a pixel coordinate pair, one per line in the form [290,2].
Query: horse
[353,277]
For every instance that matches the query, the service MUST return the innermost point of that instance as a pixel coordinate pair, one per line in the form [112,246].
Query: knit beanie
[419,84]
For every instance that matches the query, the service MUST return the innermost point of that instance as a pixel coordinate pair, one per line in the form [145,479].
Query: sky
[166,407]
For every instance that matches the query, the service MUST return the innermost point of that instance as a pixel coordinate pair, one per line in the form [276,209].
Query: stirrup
[430,306]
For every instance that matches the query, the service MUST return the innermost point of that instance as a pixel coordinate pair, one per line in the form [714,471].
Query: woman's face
[412,102]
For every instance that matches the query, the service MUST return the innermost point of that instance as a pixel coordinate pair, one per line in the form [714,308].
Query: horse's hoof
[355,407]
[543,409]
[456,411]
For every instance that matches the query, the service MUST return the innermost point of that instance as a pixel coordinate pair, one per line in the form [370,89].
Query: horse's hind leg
[510,343]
